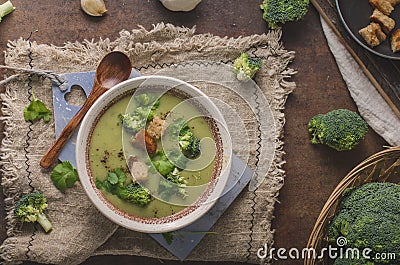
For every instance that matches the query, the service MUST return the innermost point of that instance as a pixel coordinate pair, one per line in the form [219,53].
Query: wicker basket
[381,167]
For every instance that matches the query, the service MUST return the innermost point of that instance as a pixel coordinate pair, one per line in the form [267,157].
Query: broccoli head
[282,11]
[135,193]
[188,142]
[30,209]
[369,217]
[115,183]
[246,67]
[340,129]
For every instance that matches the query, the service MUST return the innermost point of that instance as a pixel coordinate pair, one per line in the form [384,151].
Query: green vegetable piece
[133,122]
[147,99]
[169,237]
[121,176]
[369,217]
[174,183]
[163,165]
[6,9]
[64,176]
[144,112]
[30,208]
[112,178]
[135,193]
[37,110]
[340,129]
[246,67]
[188,142]
[115,183]
[282,11]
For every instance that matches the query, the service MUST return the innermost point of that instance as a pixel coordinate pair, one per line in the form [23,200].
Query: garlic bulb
[95,8]
[180,5]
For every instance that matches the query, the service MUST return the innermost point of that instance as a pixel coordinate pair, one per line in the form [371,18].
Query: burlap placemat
[79,229]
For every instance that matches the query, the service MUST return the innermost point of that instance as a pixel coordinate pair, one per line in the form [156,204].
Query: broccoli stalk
[44,222]
[282,11]
[30,209]
[340,129]
[6,9]
[246,67]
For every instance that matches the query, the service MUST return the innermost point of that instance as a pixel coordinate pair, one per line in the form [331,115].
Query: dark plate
[355,16]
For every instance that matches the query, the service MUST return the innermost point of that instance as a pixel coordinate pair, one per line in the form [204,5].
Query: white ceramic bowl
[189,214]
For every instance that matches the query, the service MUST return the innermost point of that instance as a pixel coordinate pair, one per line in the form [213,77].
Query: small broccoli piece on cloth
[369,217]
[30,208]
[282,11]
[245,67]
[340,129]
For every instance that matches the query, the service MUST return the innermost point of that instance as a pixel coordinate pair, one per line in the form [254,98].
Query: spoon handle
[54,150]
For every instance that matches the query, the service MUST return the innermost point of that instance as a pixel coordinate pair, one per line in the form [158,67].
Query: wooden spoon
[114,68]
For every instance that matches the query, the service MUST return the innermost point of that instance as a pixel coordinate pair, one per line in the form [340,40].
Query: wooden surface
[312,171]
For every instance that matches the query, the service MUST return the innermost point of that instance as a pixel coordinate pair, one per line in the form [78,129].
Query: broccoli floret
[185,140]
[135,121]
[144,112]
[340,129]
[135,193]
[188,142]
[246,67]
[174,183]
[6,9]
[115,183]
[369,217]
[132,122]
[30,209]
[147,99]
[282,11]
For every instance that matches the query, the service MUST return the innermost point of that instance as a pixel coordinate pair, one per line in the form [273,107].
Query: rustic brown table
[312,171]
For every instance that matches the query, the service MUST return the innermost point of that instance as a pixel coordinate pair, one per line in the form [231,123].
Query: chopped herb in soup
[146,154]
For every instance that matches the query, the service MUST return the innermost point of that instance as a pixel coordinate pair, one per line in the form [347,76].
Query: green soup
[107,154]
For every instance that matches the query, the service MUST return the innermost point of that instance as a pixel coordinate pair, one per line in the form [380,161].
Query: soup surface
[111,147]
